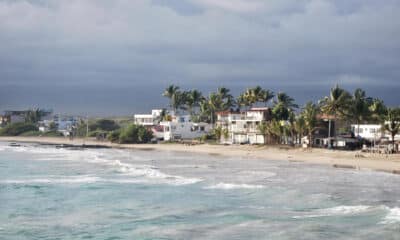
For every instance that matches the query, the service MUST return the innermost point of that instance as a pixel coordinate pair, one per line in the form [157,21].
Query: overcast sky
[102,56]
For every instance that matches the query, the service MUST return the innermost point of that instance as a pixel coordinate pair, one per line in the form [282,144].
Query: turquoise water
[49,193]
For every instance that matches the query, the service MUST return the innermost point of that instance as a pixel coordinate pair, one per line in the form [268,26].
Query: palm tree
[275,130]
[254,95]
[300,126]
[242,101]
[378,110]
[392,123]
[161,117]
[223,92]
[226,98]
[310,112]
[283,106]
[205,111]
[336,104]
[172,92]
[192,100]
[34,115]
[220,132]
[263,128]
[359,110]
[266,96]
[215,103]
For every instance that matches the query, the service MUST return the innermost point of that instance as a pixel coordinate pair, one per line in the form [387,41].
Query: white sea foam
[392,217]
[63,180]
[337,211]
[151,173]
[227,186]
[148,174]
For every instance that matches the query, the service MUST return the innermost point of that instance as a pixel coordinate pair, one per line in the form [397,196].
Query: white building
[63,124]
[148,119]
[243,127]
[372,132]
[181,127]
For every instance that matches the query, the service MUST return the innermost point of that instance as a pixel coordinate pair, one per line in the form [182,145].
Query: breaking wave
[228,186]
[64,180]
[392,217]
[392,214]
[140,173]
[337,211]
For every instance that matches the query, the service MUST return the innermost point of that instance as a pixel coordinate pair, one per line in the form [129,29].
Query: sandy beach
[342,159]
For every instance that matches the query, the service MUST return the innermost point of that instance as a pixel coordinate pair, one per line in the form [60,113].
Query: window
[372,130]
[202,128]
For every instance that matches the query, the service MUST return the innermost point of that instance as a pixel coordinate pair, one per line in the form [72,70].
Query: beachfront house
[372,133]
[62,124]
[148,120]
[369,132]
[243,126]
[181,127]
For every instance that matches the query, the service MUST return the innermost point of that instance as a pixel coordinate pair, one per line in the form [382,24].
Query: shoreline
[354,160]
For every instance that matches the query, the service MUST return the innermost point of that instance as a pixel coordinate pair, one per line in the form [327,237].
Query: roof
[258,109]
[326,116]
[255,109]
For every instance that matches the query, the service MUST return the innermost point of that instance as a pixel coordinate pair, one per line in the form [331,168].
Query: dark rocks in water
[13,144]
[80,147]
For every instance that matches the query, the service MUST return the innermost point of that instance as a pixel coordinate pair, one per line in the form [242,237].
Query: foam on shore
[228,186]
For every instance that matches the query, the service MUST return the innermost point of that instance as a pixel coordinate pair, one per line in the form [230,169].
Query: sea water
[50,193]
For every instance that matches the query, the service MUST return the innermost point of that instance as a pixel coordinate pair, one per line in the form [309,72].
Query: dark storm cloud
[151,43]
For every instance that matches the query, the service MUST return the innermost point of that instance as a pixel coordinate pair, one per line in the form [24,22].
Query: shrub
[16,129]
[52,134]
[31,134]
[135,134]
[104,125]
[114,136]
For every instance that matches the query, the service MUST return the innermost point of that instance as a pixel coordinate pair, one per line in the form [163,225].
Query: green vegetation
[34,115]
[97,128]
[392,122]
[16,129]
[103,125]
[286,123]
[131,134]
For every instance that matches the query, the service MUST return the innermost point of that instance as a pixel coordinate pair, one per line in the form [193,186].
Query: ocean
[57,193]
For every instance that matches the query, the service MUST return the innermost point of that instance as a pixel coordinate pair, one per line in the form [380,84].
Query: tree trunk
[393,135]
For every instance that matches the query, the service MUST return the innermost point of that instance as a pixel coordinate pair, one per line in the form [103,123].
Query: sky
[104,57]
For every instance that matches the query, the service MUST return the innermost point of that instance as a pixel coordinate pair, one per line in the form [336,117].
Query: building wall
[184,130]
[372,132]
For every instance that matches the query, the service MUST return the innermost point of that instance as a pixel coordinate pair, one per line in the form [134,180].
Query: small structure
[369,132]
[181,128]
[149,120]
[242,126]
[15,116]
[12,116]
[4,120]
[372,132]
[62,124]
